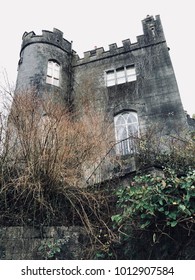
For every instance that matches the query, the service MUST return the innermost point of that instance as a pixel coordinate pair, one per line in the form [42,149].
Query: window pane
[56,73]
[110,75]
[120,72]
[126,129]
[49,70]
[110,78]
[56,65]
[122,146]
[131,78]
[125,116]
[49,80]
[131,74]
[53,73]
[119,120]
[132,118]
[110,83]
[121,133]
[120,75]
[130,70]
[133,129]
[55,82]
[121,80]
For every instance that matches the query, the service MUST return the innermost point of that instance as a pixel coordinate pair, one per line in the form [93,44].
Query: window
[126,131]
[120,75]
[110,78]
[130,73]
[53,73]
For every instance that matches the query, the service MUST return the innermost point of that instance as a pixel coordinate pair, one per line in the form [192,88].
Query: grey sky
[90,23]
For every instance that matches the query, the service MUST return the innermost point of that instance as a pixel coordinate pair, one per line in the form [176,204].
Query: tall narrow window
[110,78]
[130,73]
[53,73]
[120,75]
[126,131]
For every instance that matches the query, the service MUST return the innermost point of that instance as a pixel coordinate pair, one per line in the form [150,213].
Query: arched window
[53,73]
[126,131]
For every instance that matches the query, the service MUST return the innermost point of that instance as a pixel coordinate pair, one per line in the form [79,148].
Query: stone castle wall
[28,243]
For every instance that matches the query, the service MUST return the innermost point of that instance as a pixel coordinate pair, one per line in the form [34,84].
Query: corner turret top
[48,37]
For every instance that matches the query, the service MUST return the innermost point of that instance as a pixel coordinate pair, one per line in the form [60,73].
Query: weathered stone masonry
[153,95]
[24,243]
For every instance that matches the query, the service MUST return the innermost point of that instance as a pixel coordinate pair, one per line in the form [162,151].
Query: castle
[133,85]
[134,88]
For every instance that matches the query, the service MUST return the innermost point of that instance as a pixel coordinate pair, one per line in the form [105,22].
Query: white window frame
[120,75]
[130,73]
[126,133]
[53,73]
[110,78]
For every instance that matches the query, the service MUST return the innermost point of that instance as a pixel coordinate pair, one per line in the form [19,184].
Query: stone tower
[45,63]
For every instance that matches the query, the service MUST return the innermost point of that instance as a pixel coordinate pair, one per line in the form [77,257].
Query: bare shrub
[44,155]
[174,151]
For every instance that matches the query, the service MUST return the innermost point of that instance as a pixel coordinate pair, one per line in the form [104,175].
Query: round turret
[45,63]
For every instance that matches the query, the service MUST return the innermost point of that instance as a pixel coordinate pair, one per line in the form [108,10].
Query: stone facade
[154,95]
[137,79]
[27,243]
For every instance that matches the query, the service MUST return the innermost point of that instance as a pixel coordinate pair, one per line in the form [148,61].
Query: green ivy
[49,249]
[154,200]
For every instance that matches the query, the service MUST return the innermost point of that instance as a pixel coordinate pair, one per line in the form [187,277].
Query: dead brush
[42,163]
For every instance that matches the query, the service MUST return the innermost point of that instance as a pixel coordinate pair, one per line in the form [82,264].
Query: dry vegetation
[43,162]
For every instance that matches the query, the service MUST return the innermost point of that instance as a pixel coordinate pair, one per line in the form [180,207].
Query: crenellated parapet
[54,38]
[152,34]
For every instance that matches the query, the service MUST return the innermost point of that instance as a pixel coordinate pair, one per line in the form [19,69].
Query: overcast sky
[90,23]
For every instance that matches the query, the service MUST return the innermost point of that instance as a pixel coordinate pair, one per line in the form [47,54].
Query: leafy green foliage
[154,207]
[50,249]
[157,200]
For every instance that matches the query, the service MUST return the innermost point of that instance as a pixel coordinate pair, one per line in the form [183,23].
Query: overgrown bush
[42,166]
[175,151]
[156,217]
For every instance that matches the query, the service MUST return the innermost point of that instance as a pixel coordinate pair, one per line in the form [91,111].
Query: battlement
[152,34]
[53,38]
